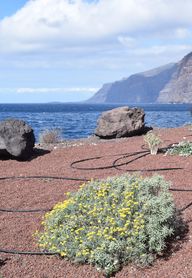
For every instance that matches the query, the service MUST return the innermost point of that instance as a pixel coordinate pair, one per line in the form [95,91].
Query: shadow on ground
[36,153]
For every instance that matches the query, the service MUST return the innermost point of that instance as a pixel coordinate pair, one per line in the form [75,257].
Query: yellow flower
[63,254]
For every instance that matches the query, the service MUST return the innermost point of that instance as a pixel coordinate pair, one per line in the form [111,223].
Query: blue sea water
[78,120]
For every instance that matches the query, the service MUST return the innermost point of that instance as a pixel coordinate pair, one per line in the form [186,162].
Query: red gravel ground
[16,229]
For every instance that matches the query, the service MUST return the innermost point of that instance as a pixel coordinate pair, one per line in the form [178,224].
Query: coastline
[95,140]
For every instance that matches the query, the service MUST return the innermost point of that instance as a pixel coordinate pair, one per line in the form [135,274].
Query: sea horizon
[77,120]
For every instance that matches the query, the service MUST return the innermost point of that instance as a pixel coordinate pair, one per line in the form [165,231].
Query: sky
[65,50]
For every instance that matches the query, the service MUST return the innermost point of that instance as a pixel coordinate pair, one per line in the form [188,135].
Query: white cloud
[80,44]
[57,24]
[162,50]
[127,41]
[182,33]
[49,90]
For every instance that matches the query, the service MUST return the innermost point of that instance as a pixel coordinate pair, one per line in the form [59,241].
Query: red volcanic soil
[16,229]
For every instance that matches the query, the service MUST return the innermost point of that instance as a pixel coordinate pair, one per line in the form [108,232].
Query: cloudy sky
[64,50]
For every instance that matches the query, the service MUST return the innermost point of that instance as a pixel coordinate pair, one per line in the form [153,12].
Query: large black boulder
[120,122]
[16,139]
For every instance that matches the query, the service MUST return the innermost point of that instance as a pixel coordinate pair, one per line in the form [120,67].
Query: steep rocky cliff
[179,88]
[171,83]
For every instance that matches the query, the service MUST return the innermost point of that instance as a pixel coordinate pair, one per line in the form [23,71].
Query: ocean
[78,120]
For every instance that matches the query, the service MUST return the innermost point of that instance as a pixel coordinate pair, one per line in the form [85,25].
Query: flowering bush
[111,222]
[184,148]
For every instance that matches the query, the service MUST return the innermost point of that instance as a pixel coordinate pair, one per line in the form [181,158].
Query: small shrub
[184,148]
[112,222]
[153,142]
[50,136]
[190,127]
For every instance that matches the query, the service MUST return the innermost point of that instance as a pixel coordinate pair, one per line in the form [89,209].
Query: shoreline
[95,140]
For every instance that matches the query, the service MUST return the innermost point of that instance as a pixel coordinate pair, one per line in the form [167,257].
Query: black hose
[143,154]
[114,165]
[35,177]
[17,252]
[180,189]
[24,210]
[186,207]
[43,177]
[125,163]
[46,210]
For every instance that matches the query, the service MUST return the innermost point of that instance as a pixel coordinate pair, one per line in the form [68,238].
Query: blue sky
[9,7]
[63,50]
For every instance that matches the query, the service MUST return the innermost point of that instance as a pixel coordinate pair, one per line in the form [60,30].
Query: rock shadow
[4,155]
[3,262]
[38,152]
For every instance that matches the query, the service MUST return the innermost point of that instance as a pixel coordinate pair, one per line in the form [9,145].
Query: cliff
[171,83]
[179,88]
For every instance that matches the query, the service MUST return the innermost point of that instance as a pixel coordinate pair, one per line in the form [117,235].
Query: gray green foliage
[153,141]
[112,222]
[50,136]
[184,148]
